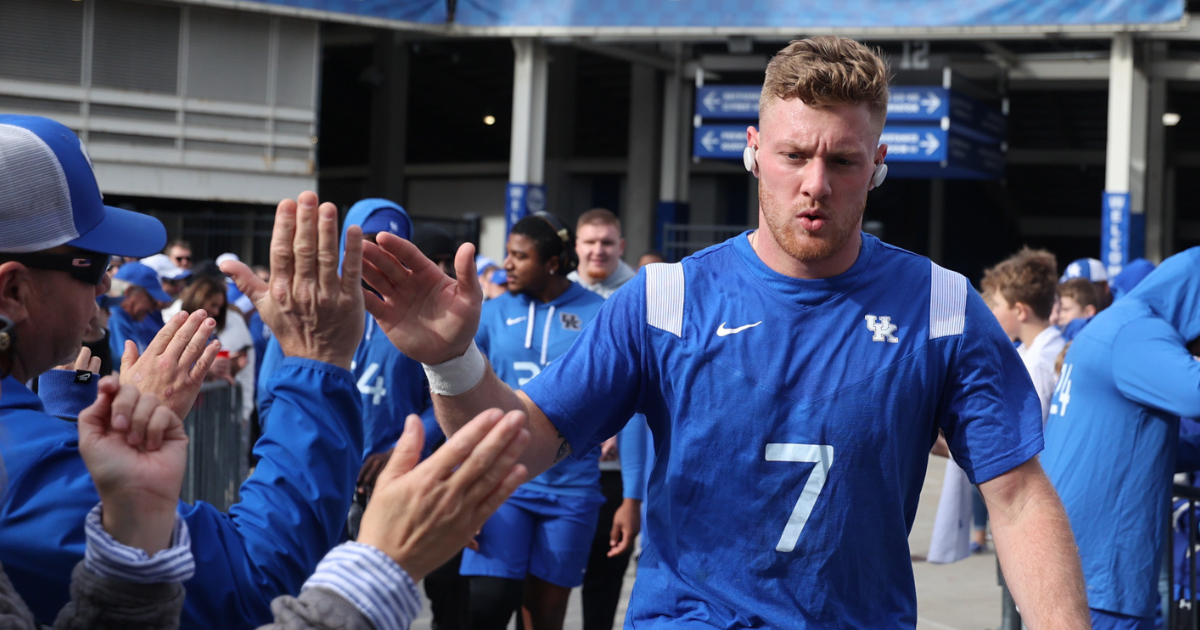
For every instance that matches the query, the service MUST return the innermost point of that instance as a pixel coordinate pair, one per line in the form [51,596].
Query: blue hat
[1086,268]
[51,197]
[140,275]
[386,220]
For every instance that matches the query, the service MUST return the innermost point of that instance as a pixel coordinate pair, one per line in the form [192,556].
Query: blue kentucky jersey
[392,386]
[792,423]
[521,336]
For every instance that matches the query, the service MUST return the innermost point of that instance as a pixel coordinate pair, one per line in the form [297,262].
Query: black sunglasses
[86,267]
[8,338]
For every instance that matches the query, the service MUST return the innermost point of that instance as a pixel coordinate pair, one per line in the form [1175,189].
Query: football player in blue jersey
[534,550]
[794,378]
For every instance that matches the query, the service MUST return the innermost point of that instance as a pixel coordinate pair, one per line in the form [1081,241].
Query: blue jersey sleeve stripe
[947,302]
[664,297]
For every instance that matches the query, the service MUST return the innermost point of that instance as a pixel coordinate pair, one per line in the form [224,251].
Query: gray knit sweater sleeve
[317,609]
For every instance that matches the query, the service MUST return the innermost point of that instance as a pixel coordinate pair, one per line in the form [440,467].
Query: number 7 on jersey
[822,456]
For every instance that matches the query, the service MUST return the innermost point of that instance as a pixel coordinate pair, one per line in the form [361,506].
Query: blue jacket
[391,384]
[121,327]
[292,510]
[1113,429]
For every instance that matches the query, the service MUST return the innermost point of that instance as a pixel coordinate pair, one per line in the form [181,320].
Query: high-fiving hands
[422,514]
[136,451]
[175,363]
[428,316]
[314,312]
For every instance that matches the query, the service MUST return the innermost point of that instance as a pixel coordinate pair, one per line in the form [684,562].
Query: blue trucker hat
[140,275]
[51,197]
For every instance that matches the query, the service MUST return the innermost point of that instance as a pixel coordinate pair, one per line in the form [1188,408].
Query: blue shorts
[548,536]
[1105,620]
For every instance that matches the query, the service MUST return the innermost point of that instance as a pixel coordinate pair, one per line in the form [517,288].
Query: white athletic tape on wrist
[458,375]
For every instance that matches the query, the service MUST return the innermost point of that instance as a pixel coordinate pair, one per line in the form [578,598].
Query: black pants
[605,576]
[448,594]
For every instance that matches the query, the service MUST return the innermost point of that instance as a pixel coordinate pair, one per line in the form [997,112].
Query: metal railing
[1179,603]
[680,241]
[218,443]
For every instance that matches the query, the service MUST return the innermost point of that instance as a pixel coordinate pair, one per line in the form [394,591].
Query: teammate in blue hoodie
[1112,432]
[537,543]
[390,384]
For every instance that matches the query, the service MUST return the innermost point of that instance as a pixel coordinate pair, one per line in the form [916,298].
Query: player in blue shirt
[1112,432]
[537,543]
[794,377]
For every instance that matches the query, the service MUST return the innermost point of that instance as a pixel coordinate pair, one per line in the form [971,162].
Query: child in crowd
[1021,294]
[1077,300]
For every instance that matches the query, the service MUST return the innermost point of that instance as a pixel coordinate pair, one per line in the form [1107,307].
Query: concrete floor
[960,596]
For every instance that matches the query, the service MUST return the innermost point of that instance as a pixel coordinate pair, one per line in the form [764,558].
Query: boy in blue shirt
[536,546]
[794,377]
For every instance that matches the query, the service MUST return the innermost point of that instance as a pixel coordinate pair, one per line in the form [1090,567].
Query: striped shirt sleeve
[372,581]
[108,558]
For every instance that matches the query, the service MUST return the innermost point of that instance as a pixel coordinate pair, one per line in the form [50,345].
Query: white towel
[951,540]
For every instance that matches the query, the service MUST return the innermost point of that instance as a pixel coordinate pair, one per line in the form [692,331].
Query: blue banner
[798,15]
[1123,233]
[918,104]
[423,11]
[728,101]
[521,200]
[915,143]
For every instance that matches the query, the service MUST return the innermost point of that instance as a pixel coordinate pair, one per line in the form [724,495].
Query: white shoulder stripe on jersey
[947,303]
[664,297]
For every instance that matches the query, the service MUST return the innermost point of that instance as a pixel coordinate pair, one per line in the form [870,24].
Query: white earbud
[748,158]
[879,176]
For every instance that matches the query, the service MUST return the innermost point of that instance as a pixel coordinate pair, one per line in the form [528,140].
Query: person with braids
[534,550]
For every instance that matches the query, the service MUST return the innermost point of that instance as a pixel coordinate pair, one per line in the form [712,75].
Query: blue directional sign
[918,104]
[1123,235]
[923,151]
[719,141]
[937,104]
[728,101]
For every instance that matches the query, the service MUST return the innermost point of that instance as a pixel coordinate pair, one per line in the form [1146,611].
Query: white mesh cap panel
[35,204]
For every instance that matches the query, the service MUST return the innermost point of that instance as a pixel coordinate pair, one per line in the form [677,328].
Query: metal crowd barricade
[1183,613]
[219,440]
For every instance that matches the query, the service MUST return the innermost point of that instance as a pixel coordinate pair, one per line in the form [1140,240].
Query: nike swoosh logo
[722,331]
[515,320]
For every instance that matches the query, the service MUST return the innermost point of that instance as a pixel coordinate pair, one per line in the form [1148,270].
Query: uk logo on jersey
[882,328]
[570,321]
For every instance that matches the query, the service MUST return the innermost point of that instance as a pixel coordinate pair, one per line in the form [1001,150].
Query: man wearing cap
[144,298]
[54,251]
[1093,271]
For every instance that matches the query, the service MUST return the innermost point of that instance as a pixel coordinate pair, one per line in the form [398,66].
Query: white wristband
[458,375]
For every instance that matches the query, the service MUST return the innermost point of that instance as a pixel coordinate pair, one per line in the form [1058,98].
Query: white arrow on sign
[930,143]
[931,102]
[712,101]
[710,141]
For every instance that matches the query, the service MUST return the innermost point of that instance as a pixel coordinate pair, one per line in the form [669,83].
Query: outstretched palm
[427,315]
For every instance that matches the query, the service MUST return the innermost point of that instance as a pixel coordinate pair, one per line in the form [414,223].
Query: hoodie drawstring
[546,334]
[529,326]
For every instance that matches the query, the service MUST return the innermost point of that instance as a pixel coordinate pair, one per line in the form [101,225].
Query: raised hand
[422,516]
[314,312]
[428,316]
[175,363]
[136,451]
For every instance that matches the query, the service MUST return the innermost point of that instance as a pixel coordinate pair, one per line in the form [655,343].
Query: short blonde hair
[1029,276]
[825,71]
